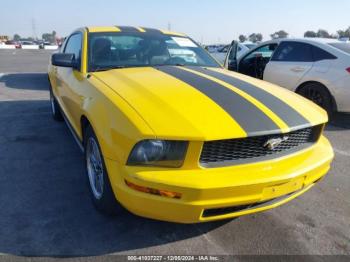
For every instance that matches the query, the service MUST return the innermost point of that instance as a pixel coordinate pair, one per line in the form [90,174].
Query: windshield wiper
[179,64]
[106,68]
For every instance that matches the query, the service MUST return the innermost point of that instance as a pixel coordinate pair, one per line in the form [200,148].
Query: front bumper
[211,194]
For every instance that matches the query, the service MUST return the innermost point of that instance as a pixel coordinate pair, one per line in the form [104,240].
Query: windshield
[345,47]
[119,50]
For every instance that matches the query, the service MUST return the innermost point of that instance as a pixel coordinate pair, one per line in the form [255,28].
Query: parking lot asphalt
[45,209]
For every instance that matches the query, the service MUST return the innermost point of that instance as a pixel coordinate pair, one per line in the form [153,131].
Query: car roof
[248,43]
[318,40]
[304,40]
[98,29]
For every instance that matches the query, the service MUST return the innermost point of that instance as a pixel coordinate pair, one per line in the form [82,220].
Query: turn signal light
[153,191]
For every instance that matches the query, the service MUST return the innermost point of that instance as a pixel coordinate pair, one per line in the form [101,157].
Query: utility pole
[34,29]
[169,26]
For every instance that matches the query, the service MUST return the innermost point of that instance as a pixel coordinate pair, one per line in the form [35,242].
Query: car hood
[209,103]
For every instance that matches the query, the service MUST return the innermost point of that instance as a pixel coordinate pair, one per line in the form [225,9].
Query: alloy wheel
[94,168]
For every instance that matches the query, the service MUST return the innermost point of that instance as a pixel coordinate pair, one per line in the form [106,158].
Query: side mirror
[231,59]
[64,60]
[259,65]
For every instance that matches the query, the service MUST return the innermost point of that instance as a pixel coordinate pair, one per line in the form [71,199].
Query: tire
[55,108]
[318,94]
[97,177]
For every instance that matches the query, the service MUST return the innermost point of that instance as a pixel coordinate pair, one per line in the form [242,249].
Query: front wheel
[318,94]
[100,188]
[55,108]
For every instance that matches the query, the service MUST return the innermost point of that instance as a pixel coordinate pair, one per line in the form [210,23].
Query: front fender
[117,125]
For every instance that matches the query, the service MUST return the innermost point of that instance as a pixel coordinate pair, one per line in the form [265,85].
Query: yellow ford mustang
[169,134]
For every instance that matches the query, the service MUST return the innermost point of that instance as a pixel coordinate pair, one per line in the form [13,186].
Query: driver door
[71,82]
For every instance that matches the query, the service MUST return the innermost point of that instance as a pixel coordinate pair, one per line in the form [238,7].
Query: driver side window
[264,51]
[73,46]
[254,63]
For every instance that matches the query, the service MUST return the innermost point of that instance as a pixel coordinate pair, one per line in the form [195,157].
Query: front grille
[251,149]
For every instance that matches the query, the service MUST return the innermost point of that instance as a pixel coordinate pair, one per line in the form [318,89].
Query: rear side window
[345,47]
[320,54]
[293,52]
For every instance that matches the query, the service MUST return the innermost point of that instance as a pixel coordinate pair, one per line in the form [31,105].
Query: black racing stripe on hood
[152,30]
[129,29]
[247,115]
[284,111]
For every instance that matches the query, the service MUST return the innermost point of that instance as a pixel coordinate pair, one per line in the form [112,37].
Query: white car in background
[318,69]
[250,45]
[243,48]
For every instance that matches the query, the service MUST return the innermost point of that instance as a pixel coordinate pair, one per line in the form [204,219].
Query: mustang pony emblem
[272,143]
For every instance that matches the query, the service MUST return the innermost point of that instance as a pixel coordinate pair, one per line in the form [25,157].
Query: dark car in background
[13,42]
[42,44]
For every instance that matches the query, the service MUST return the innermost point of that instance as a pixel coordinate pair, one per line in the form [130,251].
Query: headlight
[158,153]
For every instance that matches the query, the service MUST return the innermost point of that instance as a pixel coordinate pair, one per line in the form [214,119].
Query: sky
[207,21]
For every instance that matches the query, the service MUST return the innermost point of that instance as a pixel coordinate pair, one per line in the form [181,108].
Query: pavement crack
[211,241]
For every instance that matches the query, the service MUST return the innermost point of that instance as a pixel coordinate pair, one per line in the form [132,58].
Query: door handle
[298,69]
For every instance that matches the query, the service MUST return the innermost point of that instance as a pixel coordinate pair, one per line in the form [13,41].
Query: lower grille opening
[233,209]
